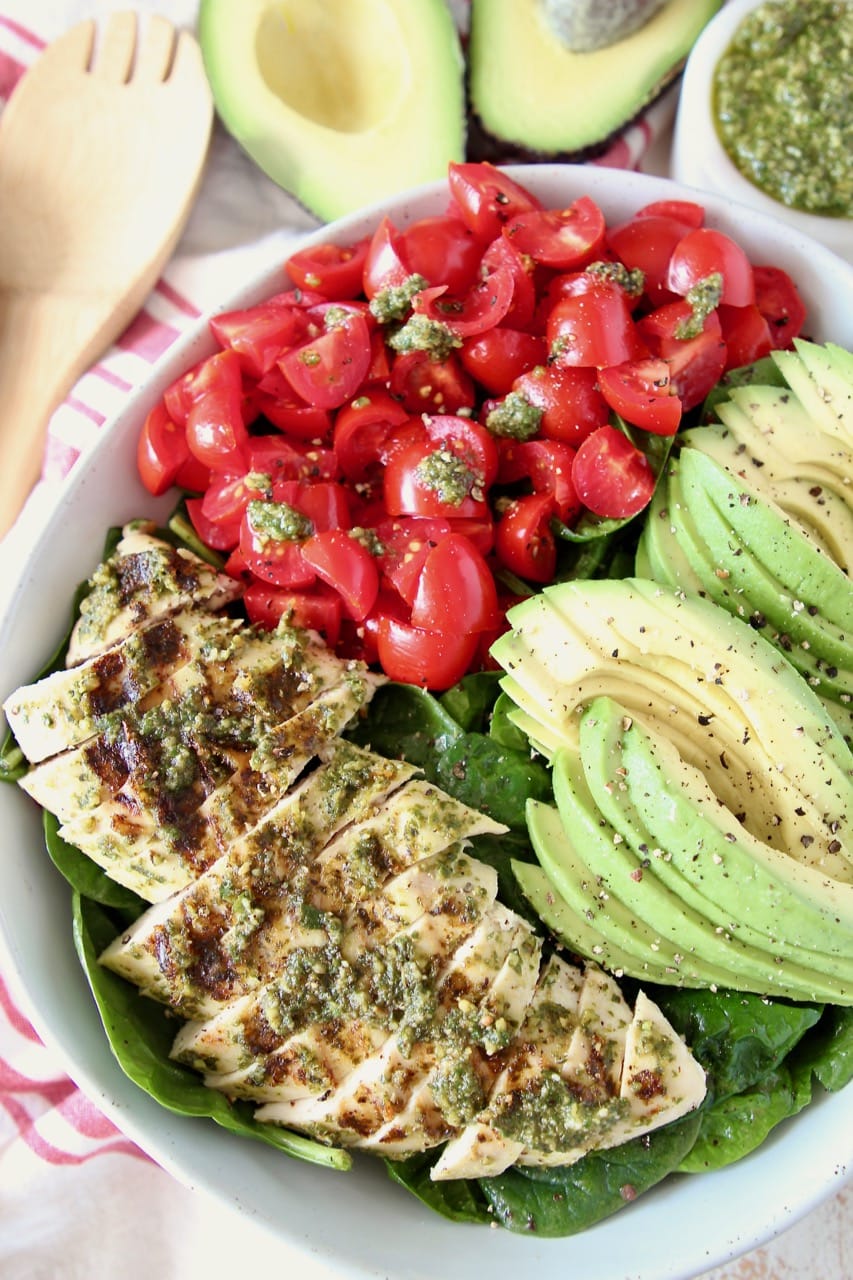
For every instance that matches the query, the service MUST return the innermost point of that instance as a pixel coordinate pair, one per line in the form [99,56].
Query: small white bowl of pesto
[765,115]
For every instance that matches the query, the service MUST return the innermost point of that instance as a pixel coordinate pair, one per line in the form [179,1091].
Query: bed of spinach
[763,1058]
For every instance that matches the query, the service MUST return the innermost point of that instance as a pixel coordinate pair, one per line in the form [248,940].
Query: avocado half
[531,95]
[341,102]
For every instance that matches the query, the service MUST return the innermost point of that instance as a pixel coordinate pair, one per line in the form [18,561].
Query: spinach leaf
[564,1201]
[502,728]
[141,1032]
[470,702]
[86,877]
[737,1037]
[461,1200]
[739,1124]
[764,372]
[828,1050]
[406,722]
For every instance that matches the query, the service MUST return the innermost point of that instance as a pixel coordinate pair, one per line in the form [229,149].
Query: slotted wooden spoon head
[102,148]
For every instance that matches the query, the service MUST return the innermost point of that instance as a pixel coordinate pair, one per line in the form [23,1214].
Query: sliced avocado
[794,444]
[664,811]
[531,93]
[707,532]
[342,103]
[649,906]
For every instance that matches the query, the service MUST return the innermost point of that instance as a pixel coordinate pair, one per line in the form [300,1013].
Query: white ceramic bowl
[360,1224]
[700,160]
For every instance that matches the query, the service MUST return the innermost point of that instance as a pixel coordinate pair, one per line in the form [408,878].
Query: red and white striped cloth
[73,1189]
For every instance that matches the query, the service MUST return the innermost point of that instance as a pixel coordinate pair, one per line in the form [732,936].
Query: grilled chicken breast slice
[145,578]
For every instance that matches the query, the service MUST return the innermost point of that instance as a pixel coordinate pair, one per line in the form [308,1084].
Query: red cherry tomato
[487,198]
[442,250]
[161,451]
[328,370]
[481,308]
[571,403]
[613,478]
[547,464]
[319,609]
[592,325]
[384,267]
[645,243]
[501,253]
[455,589]
[524,539]
[346,565]
[414,655]
[361,427]
[216,434]
[686,211]
[779,301]
[260,334]
[272,559]
[219,537]
[695,364]
[499,356]
[567,239]
[746,334]
[704,252]
[334,270]
[424,385]
[641,392]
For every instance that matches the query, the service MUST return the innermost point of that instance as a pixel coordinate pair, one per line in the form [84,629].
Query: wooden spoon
[102,147]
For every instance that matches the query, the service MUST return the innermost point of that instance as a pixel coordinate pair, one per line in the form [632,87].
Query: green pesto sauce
[783,101]
[546,1115]
[631,279]
[515,417]
[450,479]
[394,303]
[420,333]
[703,297]
[278,522]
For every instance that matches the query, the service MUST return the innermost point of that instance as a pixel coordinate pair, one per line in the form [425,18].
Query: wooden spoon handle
[46,342]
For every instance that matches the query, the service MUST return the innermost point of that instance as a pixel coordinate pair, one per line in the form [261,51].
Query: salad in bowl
[449,755]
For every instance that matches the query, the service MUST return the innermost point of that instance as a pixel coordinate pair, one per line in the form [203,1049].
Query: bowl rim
[699,157]
[192,1150]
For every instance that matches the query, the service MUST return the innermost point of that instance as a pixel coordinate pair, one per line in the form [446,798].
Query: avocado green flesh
[342,103]
[706,532]
[656,803]
[704,795]
[528,89]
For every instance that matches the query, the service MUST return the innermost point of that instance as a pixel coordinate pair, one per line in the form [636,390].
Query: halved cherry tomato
[592,325]
[414,655]
[779,301]
[571,403]
[219,537]
[455,589]
[481,308]
[695,364]
[522,309]
[324,502]
[746,334]
[641,392]
[328,370]
[360,429]
[424,385]
[524,539]
[645,243]
[612,476]
[161,450]
[686,211]
[499,356]
[260,334]
[567,239]
[433,478]
[319,609]
[488,198]
[442,250]
[405,543]
[226,499]
[274,559]
[334,270]
[547,464]
[346,565]
[704,252]
[216,433]
[384,267]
